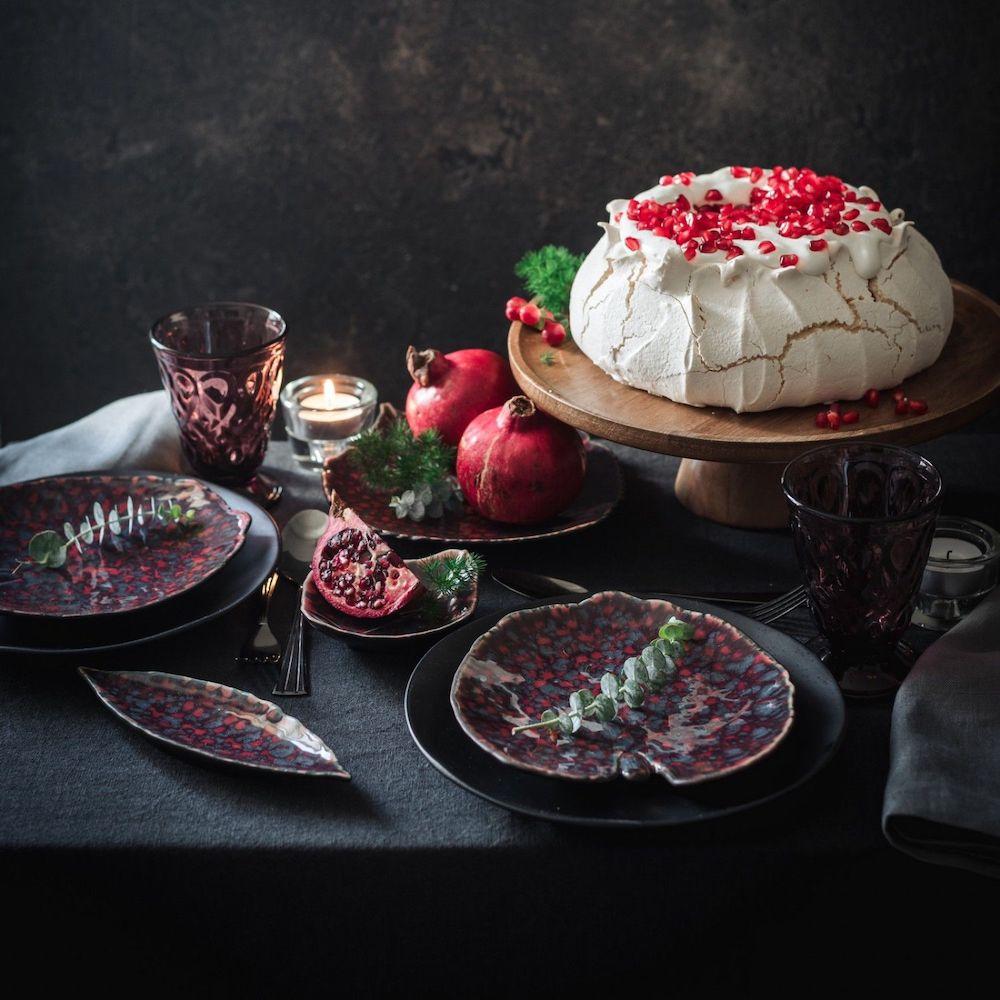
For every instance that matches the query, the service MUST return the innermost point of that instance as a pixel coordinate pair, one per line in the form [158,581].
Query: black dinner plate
[813,739]
[233,583]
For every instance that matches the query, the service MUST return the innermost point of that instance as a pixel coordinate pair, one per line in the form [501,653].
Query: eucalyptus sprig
[454,574]
[416,468]
[548,275]
[640,675]
[49,548]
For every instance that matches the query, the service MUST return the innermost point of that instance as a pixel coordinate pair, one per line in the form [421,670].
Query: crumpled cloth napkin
[942,799]
[137,432]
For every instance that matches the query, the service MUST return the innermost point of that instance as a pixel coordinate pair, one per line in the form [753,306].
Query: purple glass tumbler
[862,518]
[221,364]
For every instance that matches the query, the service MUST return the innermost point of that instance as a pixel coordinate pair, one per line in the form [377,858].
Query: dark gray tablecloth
[400,876]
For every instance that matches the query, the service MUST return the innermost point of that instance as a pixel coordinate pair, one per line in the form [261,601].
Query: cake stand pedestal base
[740,494]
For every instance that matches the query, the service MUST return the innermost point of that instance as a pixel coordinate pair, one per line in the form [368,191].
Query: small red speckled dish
[427,617]
[213,721]
[128,571]
[729,705]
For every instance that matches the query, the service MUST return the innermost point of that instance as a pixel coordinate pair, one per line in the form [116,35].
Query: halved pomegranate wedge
[356,571]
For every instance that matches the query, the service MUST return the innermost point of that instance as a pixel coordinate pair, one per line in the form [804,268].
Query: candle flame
[329,394]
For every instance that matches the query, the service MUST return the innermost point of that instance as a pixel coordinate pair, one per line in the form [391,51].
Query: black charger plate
[813,739]
[233,583]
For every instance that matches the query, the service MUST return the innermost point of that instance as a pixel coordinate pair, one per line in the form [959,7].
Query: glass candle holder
[221,364]
[962,568]
[862,519]
[324,413]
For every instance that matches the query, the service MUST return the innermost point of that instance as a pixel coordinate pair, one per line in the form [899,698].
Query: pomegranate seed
[739,171]
[708,247]
[514,307]
[874,206]
[859,226]
[766,246]
[851,214]
[554,334]
[734,252]
[789,259]
[918,406]
[755,174]
[833,420]
[884,225]
[817,245]
[851,417]
[713,195]
[821,418]
[631,242]
[666,180]
[871,398]
[902,406]
[529,314]
[898,394]
[690,253]
[841,229]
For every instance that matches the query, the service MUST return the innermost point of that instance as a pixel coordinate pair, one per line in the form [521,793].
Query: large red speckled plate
[213,720]
[729,705]
[123,574]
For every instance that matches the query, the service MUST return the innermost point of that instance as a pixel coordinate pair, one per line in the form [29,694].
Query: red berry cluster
[798,202]
[529,314]
[834,416]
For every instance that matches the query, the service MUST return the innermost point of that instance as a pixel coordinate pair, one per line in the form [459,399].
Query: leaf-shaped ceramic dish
[214,721]
[602,489]
[428,617]
[125,573]
[729,705]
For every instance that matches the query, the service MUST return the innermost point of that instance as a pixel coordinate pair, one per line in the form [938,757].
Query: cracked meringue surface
[786,325]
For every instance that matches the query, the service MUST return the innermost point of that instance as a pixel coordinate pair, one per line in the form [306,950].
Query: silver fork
[771,611]
[262,646]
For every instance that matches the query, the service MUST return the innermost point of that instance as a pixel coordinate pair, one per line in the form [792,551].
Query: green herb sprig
[650,671]
[453,574]
[393,459]
[548,275]
[49,548]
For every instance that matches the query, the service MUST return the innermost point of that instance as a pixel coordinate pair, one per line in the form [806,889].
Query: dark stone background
[373,170]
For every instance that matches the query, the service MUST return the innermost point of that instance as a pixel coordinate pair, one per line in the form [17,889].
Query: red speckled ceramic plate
[127,571]
[729,705]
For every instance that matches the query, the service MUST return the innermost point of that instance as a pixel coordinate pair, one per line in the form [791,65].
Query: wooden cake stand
[732,462]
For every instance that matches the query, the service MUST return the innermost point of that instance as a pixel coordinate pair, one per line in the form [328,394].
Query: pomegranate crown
[423,365]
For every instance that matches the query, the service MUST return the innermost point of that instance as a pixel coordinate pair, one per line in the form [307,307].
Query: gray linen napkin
[942,799]
[137,432]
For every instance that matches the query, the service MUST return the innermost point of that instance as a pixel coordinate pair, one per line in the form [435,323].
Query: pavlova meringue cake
[754,289]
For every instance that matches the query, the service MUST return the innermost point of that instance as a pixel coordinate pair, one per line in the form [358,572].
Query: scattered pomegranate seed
[666,179]
[713,194]
[684,178]
[817,245]
[859,227]
[554,333]
[821,418]
[690,253]
[755,174]
[833,420]
[841,229]
[898,393]
[529,314]
[834,407]
[766,246]
[734,252]
[902,406]
[852,213]
[739,171]
[884,225]
[514,307]
[708,247]
[918,406]
[788,259]
[871,398]
[851,417]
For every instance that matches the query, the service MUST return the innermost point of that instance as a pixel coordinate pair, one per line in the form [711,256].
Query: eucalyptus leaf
[549,715]
[606,707]
[86,531]
[633,693]
[47,549]
[609,686]
[113,523]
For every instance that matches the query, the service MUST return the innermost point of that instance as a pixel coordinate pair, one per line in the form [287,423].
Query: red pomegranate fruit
[451,390]
[518,465]
[356,572]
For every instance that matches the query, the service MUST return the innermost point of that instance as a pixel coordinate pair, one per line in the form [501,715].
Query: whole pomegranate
[517,465]
[356,572]
[450,390]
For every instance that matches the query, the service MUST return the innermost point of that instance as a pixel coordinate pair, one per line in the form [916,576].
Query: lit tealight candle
[323,413]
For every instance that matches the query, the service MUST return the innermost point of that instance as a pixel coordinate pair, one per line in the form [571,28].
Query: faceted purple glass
[221,363]
[862,519]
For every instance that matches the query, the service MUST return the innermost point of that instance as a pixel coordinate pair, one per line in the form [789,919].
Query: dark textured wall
[372,170]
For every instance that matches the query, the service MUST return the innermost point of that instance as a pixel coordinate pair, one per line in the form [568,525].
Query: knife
[537,585]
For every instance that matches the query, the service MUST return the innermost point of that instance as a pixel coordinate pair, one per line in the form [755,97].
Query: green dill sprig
[393,459]
[49,548]
[548,359]
[650,671]
[453,574]
[548,274]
